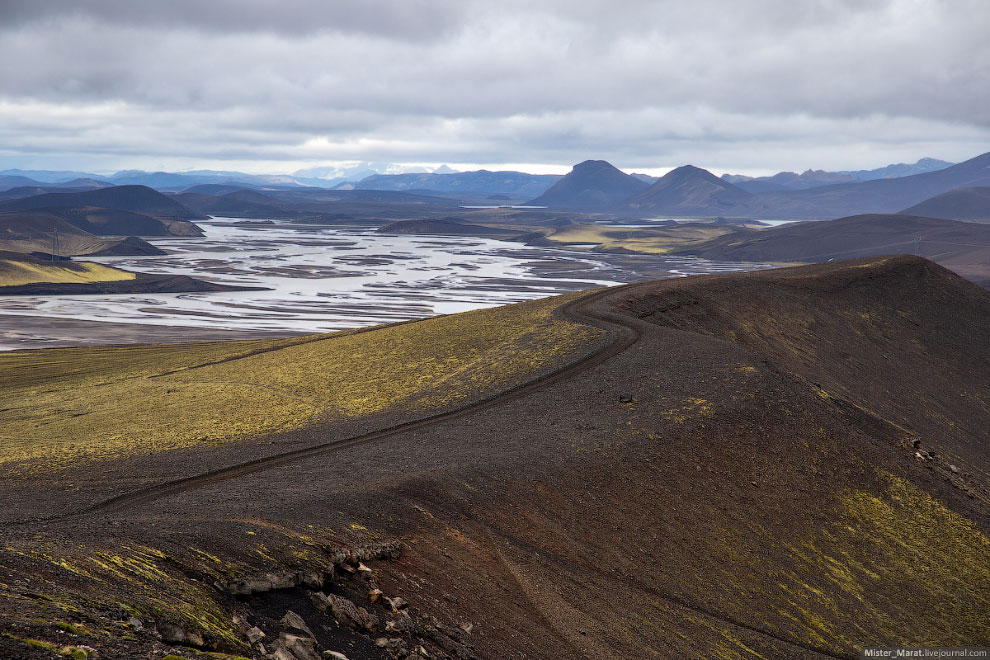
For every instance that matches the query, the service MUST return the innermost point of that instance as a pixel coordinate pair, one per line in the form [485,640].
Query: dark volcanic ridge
[957,204]
[137,199]
[960,246]
[35,231]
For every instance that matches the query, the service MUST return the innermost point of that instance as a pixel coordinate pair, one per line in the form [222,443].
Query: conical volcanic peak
[593,184]
[688,190]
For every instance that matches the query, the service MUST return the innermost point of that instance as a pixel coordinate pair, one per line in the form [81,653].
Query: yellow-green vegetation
[74,652]
[649,240]
[66,405]
[155,587]
[157,590]
[16,273]
[897,568]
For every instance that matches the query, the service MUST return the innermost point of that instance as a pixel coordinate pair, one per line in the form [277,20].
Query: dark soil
[689,496]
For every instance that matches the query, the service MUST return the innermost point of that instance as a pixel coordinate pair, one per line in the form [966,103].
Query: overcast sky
[751,87]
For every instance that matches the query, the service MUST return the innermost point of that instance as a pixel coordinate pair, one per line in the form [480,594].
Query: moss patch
[896,568]
[650,240]
[122,401]
[16,273]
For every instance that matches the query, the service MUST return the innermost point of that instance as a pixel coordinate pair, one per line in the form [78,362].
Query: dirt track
[622,333]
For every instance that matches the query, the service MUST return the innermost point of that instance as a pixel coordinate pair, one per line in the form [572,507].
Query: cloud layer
[756,86]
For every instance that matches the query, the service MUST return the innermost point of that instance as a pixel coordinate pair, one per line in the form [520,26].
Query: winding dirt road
[621,334]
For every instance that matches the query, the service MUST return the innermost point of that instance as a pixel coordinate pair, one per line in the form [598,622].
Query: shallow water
[325,278]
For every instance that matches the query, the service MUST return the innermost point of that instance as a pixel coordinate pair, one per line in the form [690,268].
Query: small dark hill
[142,283]
[963,247]
[443,226]
[85,182]
[75,185]
[8,181]
[957,204]
[127,247]
[592,184]
[20,192]
[237,204]
[687,190]
[34,231]
[108,222]
[138,199]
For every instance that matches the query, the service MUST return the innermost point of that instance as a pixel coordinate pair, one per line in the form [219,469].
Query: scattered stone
[294,622]
[918,455]
[375,551]
[301,646]
[170,390]
[281,652]
[422,652]
[173,634]
[345,612]
[397,603]
[467,627]
[312,579]
[364,571]
[626,398]
[333,655]
[135,623]
[375,595]
[395,646]
[403,625]
[953,469]
[916,443]
[255,635]
[263,584]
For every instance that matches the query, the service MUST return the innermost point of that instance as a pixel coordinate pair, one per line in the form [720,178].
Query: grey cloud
[402,19]
[642,82]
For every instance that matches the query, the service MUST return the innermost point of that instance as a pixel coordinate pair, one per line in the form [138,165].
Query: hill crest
[592,184]
[687,190]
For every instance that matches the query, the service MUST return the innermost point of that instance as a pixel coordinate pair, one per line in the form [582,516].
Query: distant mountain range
[694,192]
[816,178]
[876,196]
[592,186]
[516,185]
